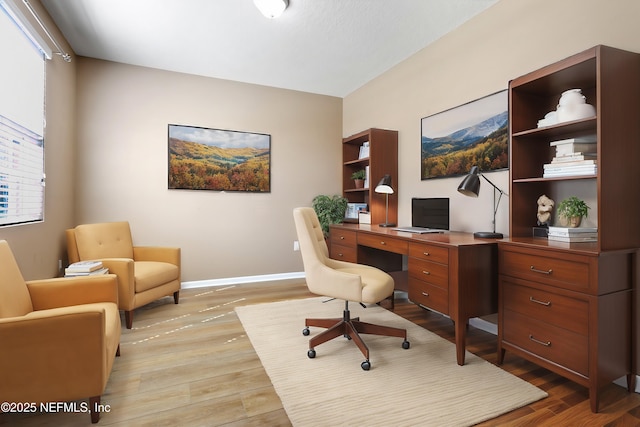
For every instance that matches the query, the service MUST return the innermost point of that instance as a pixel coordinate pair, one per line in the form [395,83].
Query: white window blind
[22,80]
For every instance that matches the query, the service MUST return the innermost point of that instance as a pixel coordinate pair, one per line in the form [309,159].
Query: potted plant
[330,210]
[571,211]
[358,178]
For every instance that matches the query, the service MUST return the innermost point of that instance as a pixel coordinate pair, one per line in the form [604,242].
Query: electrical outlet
[59,265]
[296,245]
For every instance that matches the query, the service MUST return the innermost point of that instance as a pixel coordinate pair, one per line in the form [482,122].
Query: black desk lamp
[470,186]
[384,187]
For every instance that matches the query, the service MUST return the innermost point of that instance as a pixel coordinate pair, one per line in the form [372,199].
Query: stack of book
[574,157]
[85,268]
[571,235]
[366,176]
[364,150]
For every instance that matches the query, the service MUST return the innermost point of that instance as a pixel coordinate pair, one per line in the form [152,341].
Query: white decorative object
[575,112]
[364,217]
[573,106]
[551,118]
[571,97]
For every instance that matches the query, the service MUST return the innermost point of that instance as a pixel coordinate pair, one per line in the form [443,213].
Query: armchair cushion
[149,273]
[106,240]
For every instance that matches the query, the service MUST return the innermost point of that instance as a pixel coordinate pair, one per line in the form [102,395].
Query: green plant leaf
[330,210]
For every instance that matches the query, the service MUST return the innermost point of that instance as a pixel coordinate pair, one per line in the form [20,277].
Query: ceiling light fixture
[271,8]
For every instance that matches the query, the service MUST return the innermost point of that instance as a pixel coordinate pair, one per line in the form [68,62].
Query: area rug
[419,386]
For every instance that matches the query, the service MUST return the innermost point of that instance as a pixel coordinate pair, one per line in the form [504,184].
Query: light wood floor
[192,365]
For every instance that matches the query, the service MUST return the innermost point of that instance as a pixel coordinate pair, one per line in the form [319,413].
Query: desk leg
[460,328]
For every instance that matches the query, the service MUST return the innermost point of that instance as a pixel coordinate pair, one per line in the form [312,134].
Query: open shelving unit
[568,306]
[382,160]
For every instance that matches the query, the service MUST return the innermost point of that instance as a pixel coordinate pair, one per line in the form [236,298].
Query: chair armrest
[69,291]
[124,269]
[72,341]
[157,253]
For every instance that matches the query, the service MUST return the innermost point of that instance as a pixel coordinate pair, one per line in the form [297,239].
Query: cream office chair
[341,280]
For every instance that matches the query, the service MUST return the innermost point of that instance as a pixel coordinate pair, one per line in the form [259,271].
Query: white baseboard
[240,280]
[479,323]
[622,382]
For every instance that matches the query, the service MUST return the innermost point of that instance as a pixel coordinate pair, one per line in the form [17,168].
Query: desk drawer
[384,243]
[343,237]
[428,295]
[432,272]
[547,341]
[429,252]
[543,267]
[344,253]
[558,310]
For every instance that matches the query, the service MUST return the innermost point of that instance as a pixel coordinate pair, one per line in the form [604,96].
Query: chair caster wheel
[311,354]
[366,365]
[406,344]
[305,332]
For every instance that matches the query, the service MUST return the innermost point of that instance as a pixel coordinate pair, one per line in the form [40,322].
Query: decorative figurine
[545,206]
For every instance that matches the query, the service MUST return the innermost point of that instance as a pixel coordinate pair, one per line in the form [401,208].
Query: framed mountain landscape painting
[472,134]
[219,160]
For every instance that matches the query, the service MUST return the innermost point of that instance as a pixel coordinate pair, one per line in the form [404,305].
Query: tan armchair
[59,336]
[341,280]
[144,273]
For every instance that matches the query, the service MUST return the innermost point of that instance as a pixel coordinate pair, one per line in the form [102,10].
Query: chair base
[350,328]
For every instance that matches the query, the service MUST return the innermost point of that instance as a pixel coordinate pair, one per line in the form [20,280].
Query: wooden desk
[452,273]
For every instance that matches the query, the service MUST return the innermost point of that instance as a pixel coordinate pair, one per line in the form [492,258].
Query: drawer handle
[383,243]
[340,255]
[425,272]
[426,253]
[425,294]
[341,237]
[546,304]
[549,271]
[546,344]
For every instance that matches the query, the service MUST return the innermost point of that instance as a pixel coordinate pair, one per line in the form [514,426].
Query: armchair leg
[128,317]
[94,403]
[176,296]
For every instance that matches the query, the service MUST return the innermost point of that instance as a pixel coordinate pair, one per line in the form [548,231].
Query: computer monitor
[430,212]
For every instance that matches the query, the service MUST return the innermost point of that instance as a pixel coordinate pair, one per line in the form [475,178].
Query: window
[22,84]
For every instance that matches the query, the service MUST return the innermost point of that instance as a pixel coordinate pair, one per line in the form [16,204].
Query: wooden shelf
[382,160]
[567,306]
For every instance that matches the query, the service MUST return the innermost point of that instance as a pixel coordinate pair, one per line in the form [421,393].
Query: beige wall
[123,113]
[38,247]
[511,38]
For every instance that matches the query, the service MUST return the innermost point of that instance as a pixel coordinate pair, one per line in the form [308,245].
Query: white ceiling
[329,47]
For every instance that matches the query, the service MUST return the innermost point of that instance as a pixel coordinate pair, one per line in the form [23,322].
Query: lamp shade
[384,186]
[470,185]
[271,8]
